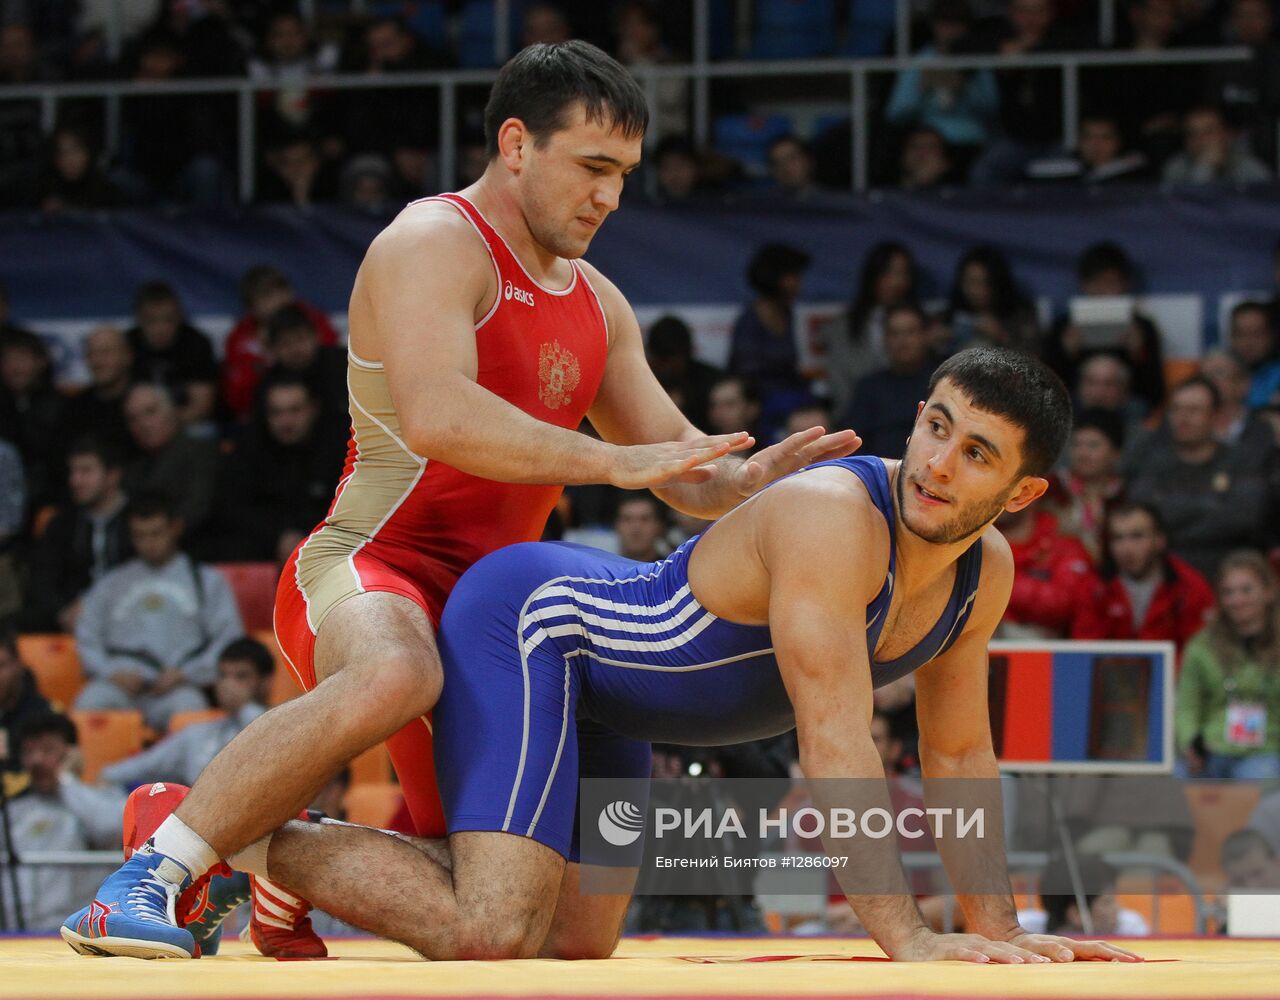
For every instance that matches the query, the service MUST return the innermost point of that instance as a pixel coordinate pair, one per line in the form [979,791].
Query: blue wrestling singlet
[564,662]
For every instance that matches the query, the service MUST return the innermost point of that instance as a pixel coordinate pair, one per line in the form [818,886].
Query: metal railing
[698,73]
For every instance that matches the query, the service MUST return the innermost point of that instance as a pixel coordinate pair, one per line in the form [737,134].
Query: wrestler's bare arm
[817,595]
[955,743]
[420,288]
[633,408]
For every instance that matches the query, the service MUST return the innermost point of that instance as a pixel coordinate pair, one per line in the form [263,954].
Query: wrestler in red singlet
[409,525]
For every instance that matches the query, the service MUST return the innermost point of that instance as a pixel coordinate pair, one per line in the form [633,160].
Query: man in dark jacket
[278,484]
[84,539]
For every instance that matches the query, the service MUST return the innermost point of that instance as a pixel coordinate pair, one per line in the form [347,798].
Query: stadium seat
[106,737]
[1218,809]
[792,29]
[871,27]
[1178,370]
[283,684]
[254,584]
[746,138]
[372,805]
[373,767]
[180,720]
[56,664]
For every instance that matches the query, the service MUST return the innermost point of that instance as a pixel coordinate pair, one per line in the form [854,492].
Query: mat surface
[781,968]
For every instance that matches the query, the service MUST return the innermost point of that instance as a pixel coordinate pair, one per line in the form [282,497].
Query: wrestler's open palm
[926,946]
[1062,949]
[648,466]
[800,449]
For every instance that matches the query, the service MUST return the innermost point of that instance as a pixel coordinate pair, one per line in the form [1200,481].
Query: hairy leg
[586,926]
[495,903]
[378,668]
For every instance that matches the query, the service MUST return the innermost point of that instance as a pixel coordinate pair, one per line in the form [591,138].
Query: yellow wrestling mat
[781,968]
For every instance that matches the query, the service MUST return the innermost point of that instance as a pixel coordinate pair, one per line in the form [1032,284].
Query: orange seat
[180,720]
[1218,809]
[106,737]
[53,659]
[1178,370]
[372,805]
[373,767]
[284,685]
[254,584]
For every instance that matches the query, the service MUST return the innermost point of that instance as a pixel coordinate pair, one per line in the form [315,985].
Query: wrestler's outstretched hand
[791,455]
[1063,949]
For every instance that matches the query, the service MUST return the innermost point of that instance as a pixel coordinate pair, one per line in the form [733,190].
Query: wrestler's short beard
[966,522]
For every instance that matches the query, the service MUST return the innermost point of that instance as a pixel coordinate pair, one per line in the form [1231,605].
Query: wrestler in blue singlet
[564,662]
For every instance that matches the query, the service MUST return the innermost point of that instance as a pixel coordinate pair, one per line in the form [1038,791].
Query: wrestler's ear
[1029,490]
[513,137]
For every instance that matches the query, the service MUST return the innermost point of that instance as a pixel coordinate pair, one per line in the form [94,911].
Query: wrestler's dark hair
[1020,388]
[541,84]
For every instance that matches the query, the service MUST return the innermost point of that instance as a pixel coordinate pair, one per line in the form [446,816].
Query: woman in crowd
[987,307]
[855,341]
[1230,681]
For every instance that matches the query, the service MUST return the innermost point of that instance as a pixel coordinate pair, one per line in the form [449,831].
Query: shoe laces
[153,900]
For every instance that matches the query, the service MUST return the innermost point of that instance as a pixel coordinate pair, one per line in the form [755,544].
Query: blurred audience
[151,629]
[20,699]
[688,380]
[884,404]
[641,527]
[169,459]
[1092,481]
[169,351]
[264,290]
[98,408]
[278,483]
[1212,497]
[763,341]
[1105,270]
[56,812]
[240,692]
[961,107]
[83,541]
[987,307]
[1052,576]
[1212,153]
[855,340]
[925,161]
[1146,592]
[1230,680]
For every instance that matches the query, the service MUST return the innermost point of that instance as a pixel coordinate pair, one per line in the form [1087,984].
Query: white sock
[174,839]
[253,859]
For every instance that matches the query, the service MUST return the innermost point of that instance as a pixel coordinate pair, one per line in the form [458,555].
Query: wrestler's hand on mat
[646,466]
[926,945]
[800,449]
[1062,949]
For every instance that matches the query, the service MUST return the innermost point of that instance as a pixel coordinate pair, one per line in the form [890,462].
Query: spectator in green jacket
[1228,703]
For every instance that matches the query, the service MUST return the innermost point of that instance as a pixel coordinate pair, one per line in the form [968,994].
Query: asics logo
[510,291]
[157,789]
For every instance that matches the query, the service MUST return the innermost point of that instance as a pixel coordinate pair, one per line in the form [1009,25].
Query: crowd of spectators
[376,148]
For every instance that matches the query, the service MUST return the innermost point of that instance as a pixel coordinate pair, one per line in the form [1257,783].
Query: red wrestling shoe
[280,926]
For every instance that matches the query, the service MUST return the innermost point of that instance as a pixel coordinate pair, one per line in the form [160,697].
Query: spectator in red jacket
[1052,576]
[1079,498]
[264,291]
[1145,592]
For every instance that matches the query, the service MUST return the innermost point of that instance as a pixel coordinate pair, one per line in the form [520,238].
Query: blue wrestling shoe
[133,913]
[225,896]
